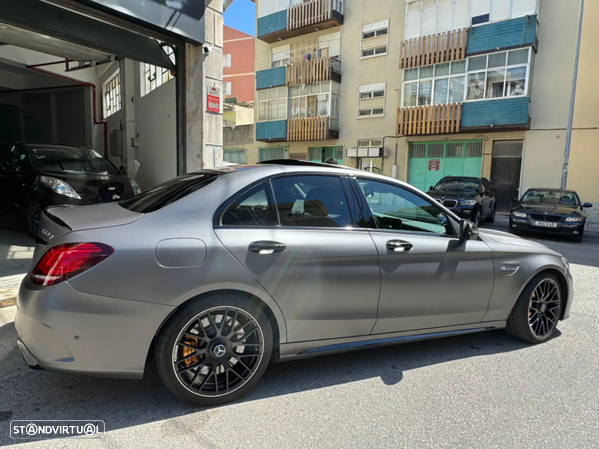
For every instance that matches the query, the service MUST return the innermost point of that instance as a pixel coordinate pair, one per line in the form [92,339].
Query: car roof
[461,177]
[32,146]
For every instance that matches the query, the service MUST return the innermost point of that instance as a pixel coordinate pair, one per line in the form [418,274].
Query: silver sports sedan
[218,273]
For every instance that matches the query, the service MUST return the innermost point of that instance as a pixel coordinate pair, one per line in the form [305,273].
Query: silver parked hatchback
[220,272]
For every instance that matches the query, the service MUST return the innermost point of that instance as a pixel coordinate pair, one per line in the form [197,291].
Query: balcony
[268,78]
[273,131]
[313,71]
[433,49]
[429,120]
[503,114]
[310,128]
[507,34]
[299,19]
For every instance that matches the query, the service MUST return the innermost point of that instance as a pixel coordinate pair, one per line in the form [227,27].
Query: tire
[491,218]
[217,372]
[477,217]
[31,216]
[533,320]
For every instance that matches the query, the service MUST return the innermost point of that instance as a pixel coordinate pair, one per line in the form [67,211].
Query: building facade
[421,89]
[238,65]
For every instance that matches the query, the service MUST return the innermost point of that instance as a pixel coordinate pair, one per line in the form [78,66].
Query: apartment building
[238,65]
[421,89]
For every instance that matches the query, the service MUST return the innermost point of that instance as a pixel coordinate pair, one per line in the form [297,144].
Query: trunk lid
[57,221]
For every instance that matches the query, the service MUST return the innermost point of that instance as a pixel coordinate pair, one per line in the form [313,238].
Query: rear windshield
[64,160]
[168,192]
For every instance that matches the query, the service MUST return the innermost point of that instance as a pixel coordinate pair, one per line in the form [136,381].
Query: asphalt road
[478,391]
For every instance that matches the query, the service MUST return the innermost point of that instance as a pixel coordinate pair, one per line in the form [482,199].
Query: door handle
[399,246]
[267,247]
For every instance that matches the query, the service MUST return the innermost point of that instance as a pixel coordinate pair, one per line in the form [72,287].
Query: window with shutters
[112,94]
[281,56]
[375,40]
[371,101]
[426,17]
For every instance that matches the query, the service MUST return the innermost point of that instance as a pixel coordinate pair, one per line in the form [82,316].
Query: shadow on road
[28,394]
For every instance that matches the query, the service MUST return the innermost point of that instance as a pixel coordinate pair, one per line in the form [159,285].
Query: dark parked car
[550,211]
[34,176]
[470,198]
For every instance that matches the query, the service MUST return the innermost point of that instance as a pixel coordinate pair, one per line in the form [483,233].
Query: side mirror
[468,230]
[587,205]
[431,188]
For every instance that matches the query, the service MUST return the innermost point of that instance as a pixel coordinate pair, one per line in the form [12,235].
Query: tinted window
[167,193]
[458,185]
[399,209]
[535,196]
[18,157]
[253,208]
[71,160]
[315,201]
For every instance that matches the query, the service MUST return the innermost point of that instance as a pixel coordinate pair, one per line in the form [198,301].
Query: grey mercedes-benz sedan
[216,274]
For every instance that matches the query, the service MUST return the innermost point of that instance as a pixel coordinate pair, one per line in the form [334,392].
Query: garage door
[431,161]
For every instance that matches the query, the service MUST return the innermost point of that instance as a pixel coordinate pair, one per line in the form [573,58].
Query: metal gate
[431,161]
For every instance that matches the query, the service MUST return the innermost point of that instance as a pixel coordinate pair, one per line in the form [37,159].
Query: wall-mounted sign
[213,99]
[434,164]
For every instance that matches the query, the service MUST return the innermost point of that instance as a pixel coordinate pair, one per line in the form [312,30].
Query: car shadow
[26,394]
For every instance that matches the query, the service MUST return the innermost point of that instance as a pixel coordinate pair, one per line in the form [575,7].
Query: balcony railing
[309,128]
[427,120]
[309,13]
[313,71]
[433,49]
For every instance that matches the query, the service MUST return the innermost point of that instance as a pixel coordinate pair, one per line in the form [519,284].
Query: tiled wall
[519,32]
[271,78]
[272,23]
[509,111]
[275,130]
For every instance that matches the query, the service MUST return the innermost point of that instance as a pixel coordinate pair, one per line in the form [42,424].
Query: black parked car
[470,198]
[550,211]
[34,176]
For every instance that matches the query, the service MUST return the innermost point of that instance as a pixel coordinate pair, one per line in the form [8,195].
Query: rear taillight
[62,262]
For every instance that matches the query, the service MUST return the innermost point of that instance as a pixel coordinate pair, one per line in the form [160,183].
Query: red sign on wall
[434,164]
[213,100]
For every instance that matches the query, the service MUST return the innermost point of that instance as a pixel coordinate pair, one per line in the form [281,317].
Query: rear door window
[252,208]
[312,201]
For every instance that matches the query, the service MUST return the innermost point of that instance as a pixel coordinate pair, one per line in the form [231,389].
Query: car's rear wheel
[31,215]
[491,218]
[214,350]
[535,316]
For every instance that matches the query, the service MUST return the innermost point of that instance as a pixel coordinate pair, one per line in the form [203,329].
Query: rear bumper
[61,329]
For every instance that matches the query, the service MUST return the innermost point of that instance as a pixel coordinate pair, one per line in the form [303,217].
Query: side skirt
[306,349]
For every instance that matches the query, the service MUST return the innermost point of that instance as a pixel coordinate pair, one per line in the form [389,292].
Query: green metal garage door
[431,161]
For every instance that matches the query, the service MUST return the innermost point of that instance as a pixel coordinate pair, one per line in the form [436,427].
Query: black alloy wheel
[31,214]
[217,354]
[538,310]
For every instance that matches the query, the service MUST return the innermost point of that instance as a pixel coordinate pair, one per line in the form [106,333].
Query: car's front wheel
[214,350]
[536,313]
[31,215]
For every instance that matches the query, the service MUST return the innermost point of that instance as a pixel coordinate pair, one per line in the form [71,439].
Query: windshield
[536,196]
[168,192]
[64,160]
[470,186]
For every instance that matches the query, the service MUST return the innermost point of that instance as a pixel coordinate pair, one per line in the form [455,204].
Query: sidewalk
[16,254]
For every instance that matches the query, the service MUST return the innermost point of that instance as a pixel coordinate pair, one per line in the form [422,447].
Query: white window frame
[152,76]
[376,28]
[505,68]
[227,61]
[468,72]
[331,112]
[372,143]
[227,88]
[280,56]
[277,99]
[236,151]
[112,87]
[433,79]
[369,91]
